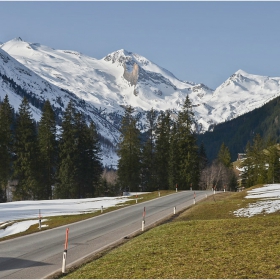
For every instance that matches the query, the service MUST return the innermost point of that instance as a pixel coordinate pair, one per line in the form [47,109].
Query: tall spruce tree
[203,161]
[6,144]
[67,172]
[26,150]
[224,155]
[188,162]
[95,163]
[148,155]
[174,156]
[129,152]
[162,150]
[255,163]
[89,167]
[48,151]
[271,154]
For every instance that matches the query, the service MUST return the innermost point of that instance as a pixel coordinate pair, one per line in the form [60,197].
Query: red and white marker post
[136,198]
[194,198]
[65,252]
[176,187]
[40,219]
[143,220]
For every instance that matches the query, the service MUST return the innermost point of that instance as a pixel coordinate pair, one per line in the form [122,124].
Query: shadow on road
[16,263]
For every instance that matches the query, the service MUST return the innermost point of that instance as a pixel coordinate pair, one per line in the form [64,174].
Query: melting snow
[269,196]
[30,210]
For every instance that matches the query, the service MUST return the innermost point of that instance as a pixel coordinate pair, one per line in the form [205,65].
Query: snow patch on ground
[24,210]
[269,196]
[19,227]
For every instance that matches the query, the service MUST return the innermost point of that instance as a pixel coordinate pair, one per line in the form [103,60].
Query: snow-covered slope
[239,94]
[120,78]
[100,87]
[17,81]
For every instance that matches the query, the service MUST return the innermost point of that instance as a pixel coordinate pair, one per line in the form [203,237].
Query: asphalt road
[39,255]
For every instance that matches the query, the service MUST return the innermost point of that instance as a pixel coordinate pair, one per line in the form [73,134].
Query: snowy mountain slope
[120,78]
[241,93]
[100,87]
[17,81]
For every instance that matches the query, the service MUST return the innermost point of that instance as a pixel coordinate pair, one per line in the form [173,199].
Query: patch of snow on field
[24,210]
[269,196]
[18,227]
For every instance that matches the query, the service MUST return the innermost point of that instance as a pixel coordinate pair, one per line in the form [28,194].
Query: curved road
[39,255]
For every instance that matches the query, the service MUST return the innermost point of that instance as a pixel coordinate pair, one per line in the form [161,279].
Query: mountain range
[100,88]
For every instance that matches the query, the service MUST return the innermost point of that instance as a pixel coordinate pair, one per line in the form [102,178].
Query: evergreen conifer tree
[203,161]
[162,150]
[67,173]
[6,141]
[26,150]
[129,153]
[188,162]
[148,155]
[224,155]
[48,151]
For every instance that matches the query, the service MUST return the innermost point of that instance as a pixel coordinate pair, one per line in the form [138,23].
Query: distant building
[241,156]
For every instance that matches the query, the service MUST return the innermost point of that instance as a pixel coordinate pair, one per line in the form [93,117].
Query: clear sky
[203,42]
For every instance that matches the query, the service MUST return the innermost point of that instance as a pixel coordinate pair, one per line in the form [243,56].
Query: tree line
[169,157]
[45,163]
[49,163]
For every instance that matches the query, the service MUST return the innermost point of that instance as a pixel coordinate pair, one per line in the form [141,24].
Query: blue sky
[203,42]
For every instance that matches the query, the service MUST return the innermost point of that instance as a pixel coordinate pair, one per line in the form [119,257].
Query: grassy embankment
[206,241]
[57,221]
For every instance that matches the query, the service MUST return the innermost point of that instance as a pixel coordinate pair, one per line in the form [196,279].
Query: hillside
[237,132]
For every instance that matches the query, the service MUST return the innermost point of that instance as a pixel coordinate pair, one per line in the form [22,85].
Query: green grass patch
[206,241]
[56,221]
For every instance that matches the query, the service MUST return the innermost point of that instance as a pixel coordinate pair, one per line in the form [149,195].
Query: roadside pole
[143,220]
[65,252]
[40,219]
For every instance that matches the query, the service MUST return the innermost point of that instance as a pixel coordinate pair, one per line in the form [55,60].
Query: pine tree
[26,150]
[254,164]
[162,150]
[129,153]
[6,141]
[203,161]
[224,155]
[174,156]
[67,172]
[96,167]
[148,155]
[48,151]
[89,167]
[188,162]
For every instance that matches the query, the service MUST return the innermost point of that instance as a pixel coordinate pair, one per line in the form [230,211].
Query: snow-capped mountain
[100,87]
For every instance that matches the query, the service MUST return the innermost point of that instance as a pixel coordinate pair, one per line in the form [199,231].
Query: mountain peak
[241,72]
[121,56]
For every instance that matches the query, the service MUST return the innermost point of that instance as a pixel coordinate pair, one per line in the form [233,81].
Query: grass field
[206,241]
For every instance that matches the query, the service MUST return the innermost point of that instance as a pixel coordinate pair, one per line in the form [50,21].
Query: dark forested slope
[236,133]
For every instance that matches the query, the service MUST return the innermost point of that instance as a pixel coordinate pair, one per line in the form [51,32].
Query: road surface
[39,255]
